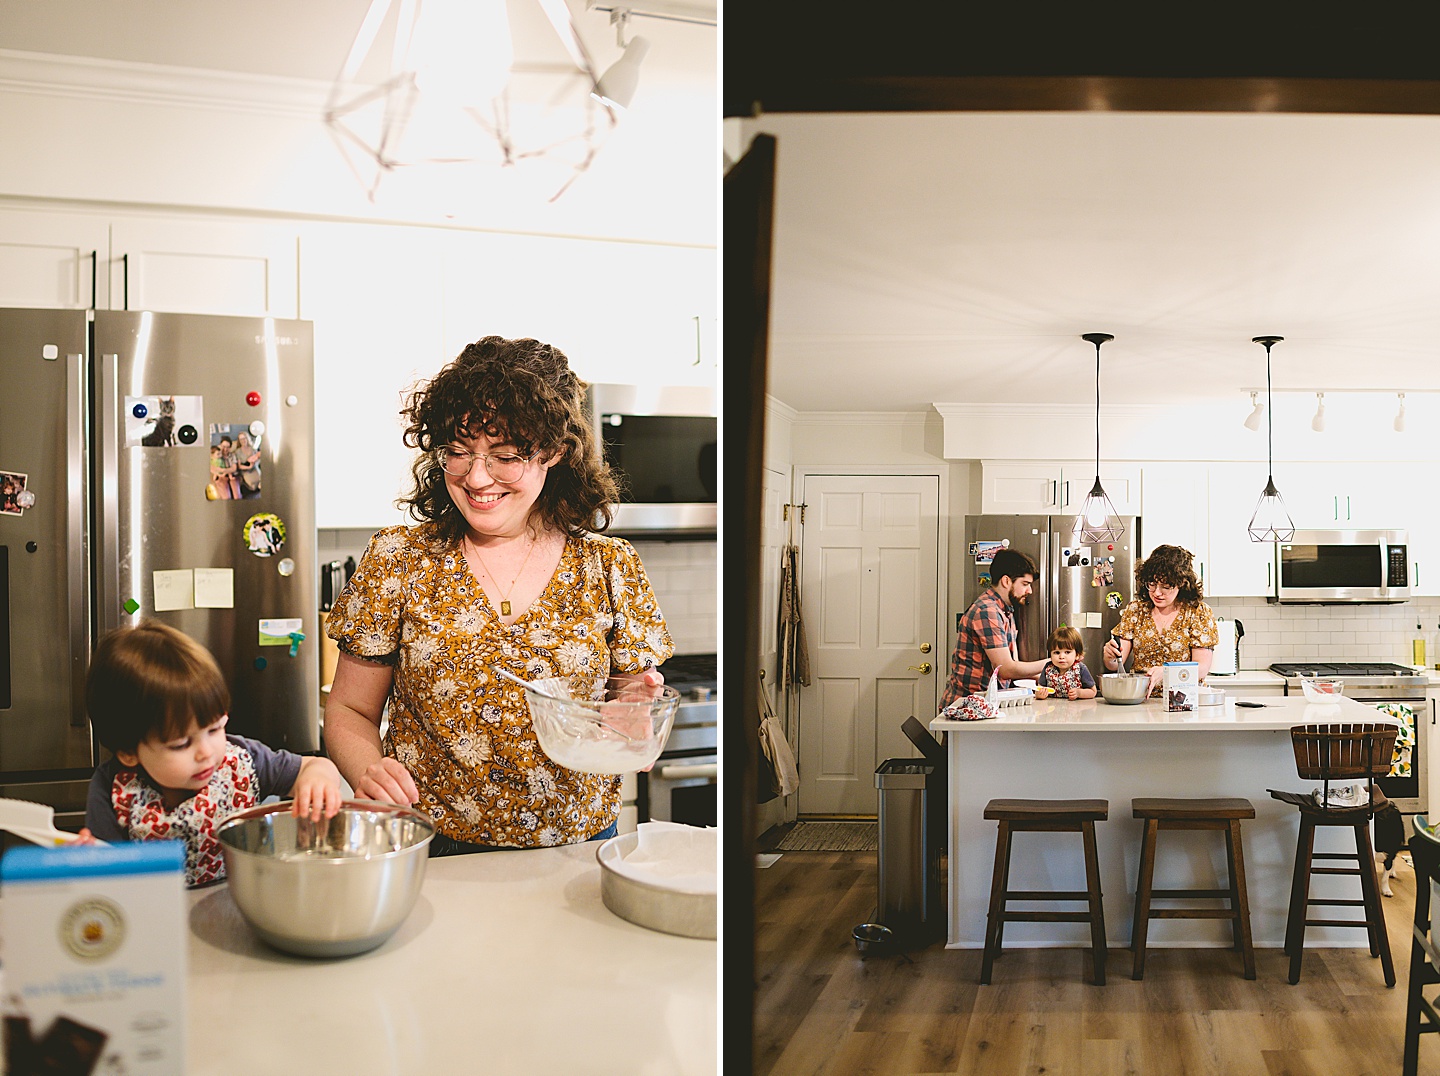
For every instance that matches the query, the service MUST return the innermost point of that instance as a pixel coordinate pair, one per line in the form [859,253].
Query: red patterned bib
[140,809]
[1063,681]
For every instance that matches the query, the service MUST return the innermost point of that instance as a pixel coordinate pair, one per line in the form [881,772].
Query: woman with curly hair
[1168,621]
[505,569]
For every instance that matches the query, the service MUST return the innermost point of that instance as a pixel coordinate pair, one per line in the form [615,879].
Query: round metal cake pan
[691,915]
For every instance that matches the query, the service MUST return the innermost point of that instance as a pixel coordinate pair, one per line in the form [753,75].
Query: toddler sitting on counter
[159,702]
[1065,674]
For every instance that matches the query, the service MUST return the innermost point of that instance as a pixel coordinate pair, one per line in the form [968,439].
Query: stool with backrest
[1420,1015]
[1052,816]
[1222,814]
[1338,753]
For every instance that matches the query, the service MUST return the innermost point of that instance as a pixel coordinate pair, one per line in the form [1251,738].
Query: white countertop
[1097,715]
[509,962]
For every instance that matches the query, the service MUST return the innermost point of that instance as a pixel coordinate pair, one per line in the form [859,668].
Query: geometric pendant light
[1097,521]
[1271,521]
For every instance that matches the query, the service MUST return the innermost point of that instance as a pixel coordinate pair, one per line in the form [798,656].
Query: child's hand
[317,790]
[1074,693]
[85,837]
[1043,692]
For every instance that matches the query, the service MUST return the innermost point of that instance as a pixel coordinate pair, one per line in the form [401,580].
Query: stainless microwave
[1343,566]
[661,442]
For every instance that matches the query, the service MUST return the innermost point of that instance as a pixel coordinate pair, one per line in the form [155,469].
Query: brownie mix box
[93,959]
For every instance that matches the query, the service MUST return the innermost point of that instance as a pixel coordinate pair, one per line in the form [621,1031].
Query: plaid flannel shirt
[986,624]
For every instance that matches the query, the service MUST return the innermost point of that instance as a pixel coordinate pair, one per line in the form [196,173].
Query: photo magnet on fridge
[12,493]
[163,421]
[264,534]
[984,552]
[234,462]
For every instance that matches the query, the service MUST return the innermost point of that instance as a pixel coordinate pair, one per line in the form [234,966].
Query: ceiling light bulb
[1253,420]
[1400,415]
[1318,422]
[616,87]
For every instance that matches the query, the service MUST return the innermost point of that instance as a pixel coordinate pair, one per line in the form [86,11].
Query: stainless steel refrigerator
[152,466]
[1082,584]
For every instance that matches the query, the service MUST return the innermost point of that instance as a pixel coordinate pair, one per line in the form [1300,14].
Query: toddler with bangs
[159,703]
[1065,674]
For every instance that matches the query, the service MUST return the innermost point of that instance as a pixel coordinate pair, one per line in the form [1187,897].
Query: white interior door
[869,592]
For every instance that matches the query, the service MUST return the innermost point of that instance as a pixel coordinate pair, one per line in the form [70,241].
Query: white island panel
[509,962]
[1092,749]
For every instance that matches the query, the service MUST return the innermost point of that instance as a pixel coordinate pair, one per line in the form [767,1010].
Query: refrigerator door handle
[77,611]
[107,537]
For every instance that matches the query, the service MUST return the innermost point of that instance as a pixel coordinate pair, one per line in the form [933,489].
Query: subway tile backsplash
[1330,632]
[682,573]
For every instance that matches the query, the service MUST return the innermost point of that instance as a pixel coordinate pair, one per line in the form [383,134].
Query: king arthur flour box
[93,942]
[1182,685]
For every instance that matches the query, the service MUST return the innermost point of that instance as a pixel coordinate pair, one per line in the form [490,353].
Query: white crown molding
[861,418]
[89,78]
[780,408]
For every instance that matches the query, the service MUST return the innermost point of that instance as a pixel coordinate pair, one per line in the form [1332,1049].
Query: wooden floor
[820,1007]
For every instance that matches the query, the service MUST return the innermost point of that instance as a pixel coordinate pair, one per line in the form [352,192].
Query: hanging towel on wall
[794,657]
[777,755]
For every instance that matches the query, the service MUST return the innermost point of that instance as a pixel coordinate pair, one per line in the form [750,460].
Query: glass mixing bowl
[621,731]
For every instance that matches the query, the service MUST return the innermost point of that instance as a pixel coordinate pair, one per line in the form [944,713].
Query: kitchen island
[1088,748]
[509,962]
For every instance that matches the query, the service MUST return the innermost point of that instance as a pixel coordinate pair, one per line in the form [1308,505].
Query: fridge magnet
[234,462]
[1103,574]
[984,552]
[13,499]
[282,631]
[264,534]
[1114,599]
[160,421]
[1075,556]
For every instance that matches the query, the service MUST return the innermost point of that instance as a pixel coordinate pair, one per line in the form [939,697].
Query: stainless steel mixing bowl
[331,888]
[1125,688]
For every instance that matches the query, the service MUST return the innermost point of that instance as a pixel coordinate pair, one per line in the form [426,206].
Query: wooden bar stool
[1421,1017]
[1339,752]
[1222,814]
[1053,816]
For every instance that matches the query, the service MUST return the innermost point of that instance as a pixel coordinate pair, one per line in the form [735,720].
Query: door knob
[923,667]
[924,648]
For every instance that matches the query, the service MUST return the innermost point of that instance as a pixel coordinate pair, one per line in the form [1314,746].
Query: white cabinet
[53,260]
[204,267]
[1010,487]
[1176,510]
[1346,496]
[1239,568]
[374,294]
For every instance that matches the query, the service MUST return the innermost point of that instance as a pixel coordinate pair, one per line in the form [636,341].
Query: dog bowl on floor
[873,939]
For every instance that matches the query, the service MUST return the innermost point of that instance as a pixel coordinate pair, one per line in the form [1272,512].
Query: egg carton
[1014,696]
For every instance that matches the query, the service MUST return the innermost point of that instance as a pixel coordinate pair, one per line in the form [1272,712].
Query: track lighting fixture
[1399,423]
[1252,421]
[1318,422]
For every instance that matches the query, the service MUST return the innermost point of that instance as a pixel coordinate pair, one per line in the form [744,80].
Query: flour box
[1182,685]
[93,941]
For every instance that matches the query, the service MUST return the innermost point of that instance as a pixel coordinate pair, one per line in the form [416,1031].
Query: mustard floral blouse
[464,733]
[1193,626]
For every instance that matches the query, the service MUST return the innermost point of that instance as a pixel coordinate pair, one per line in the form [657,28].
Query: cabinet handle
[1055,494]
[1336,509]
[1347,509]
[923,667]
[94,266]
[125,276]
[1267,579]
[1067,494]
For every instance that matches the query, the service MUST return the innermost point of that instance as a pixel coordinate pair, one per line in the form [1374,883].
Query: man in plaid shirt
[986,641]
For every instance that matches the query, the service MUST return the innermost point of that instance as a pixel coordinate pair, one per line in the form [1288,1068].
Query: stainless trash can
[909,897]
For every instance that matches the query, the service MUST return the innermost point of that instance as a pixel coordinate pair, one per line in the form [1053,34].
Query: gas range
[1366,676]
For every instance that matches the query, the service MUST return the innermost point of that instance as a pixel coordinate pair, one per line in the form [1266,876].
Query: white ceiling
[957,257]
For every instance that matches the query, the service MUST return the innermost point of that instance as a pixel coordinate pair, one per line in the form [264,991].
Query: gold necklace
[505,597]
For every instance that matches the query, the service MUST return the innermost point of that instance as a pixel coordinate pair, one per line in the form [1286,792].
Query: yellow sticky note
[174,589]
[214,588]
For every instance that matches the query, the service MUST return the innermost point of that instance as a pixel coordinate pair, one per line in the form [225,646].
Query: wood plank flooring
[821,1008]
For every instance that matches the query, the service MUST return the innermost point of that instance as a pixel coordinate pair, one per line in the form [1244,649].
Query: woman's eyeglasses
[501,466]
[1155,584]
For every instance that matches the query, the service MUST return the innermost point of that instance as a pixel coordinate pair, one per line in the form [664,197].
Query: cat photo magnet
[163,421]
